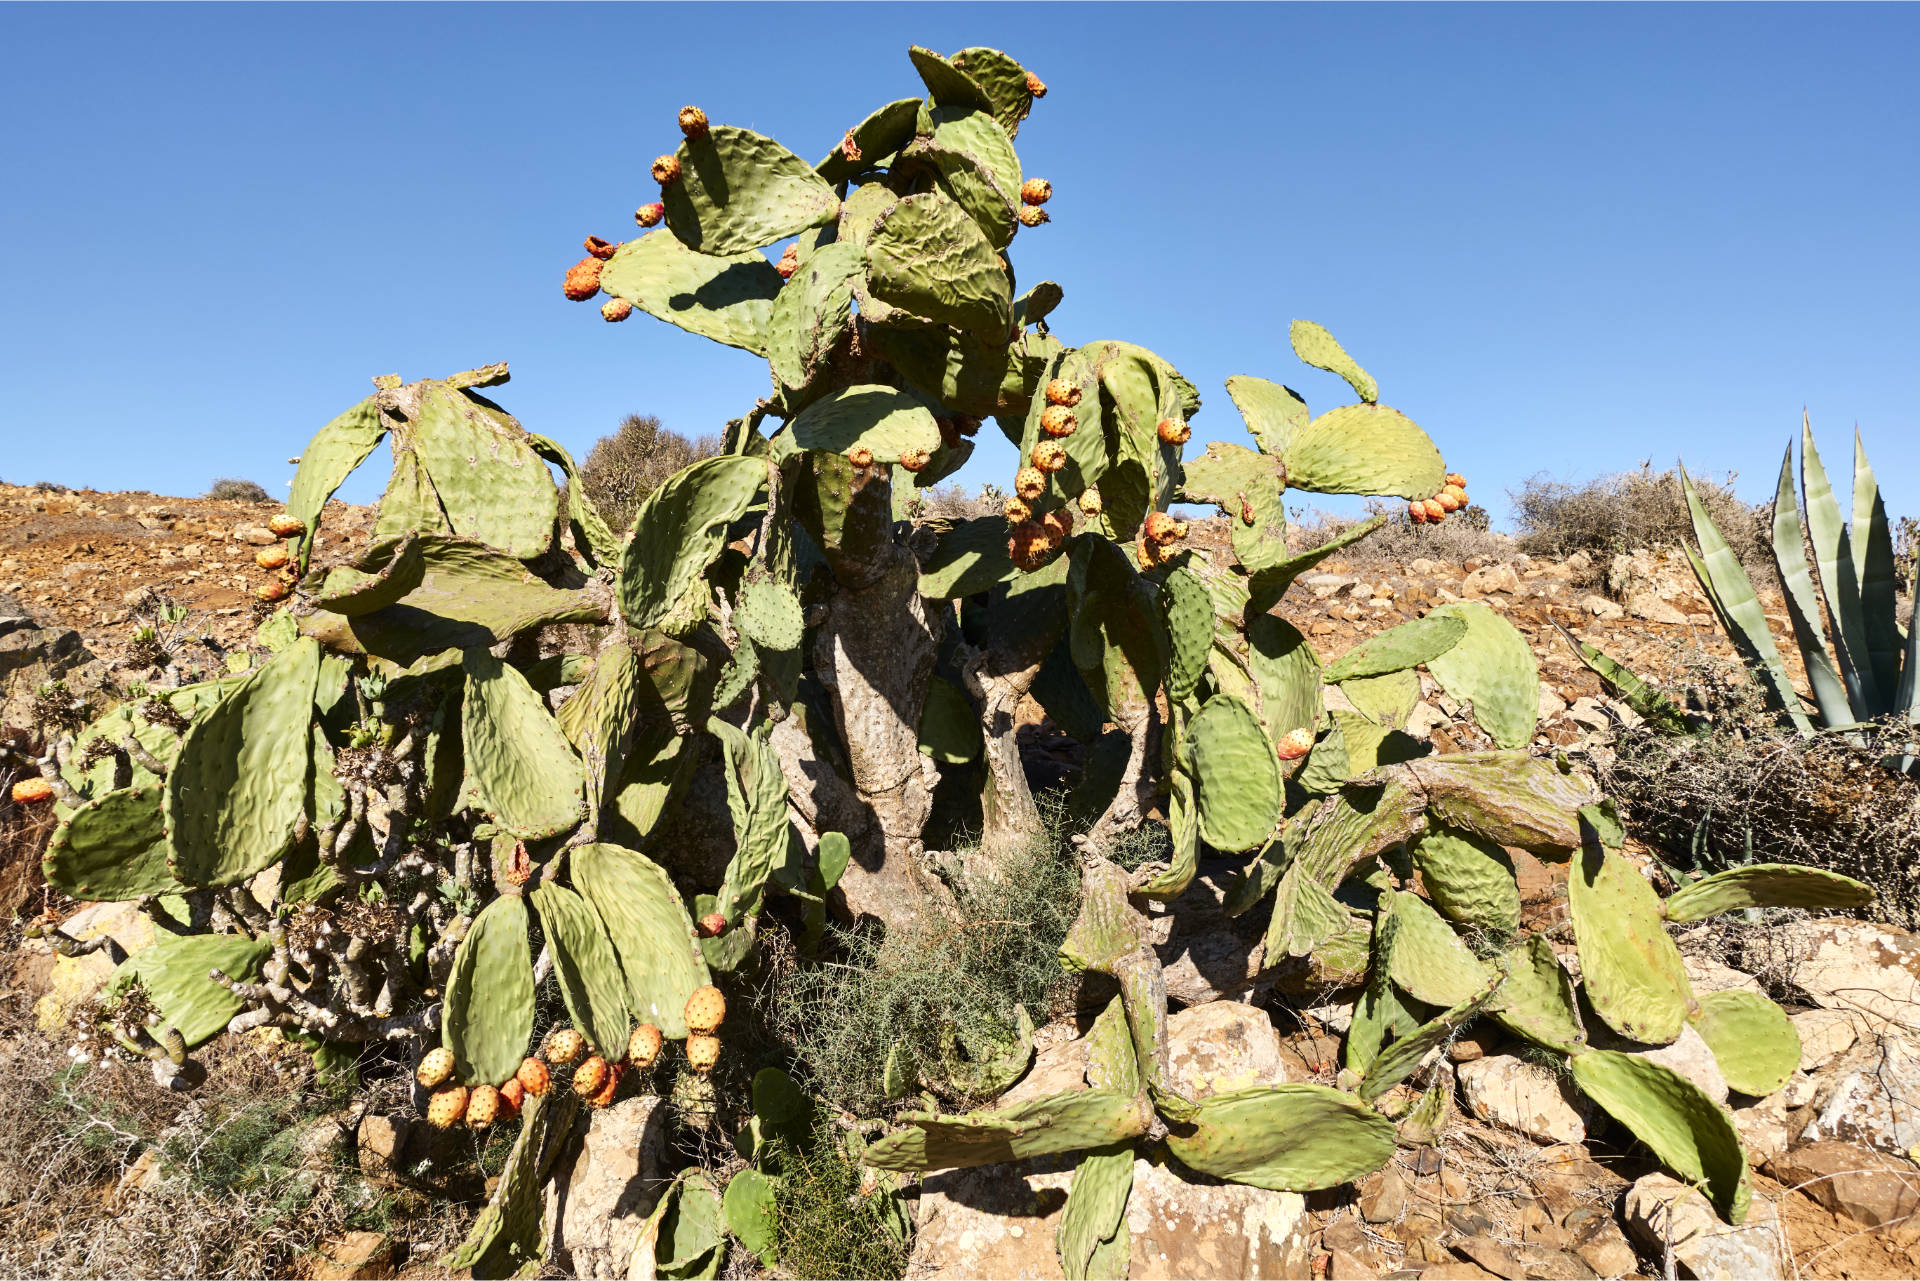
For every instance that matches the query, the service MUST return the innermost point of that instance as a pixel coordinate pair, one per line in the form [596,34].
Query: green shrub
[1625,510]
[629,463]
[229,489]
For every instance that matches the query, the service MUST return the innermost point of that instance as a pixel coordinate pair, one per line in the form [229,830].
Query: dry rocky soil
[1524,1180]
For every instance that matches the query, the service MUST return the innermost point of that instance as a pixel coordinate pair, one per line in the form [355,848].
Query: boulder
[1868,1187]
[597,1206]
[1873,1097]
[1664,1213]
[1843,964]
[1489,579]
[1511,1092]
[75,980]
[1602,608]
[1205,954]
[1221,1047]
[1825,1035]
[1647,605]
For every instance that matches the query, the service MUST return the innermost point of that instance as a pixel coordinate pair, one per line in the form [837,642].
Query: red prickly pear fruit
[860,456]
[1164,529]
[706,1009]
[1030,483]
[1058,420]
[564,1045]
[1049,455]
[436,1068]
[533,1076]
[601,249]
[590,1076]
[1062,392]
[1033,216]
[643,1046]
[448,1107]
[519,868]
[1246,511]
[273,592]
[583,279]
[271,557]
[789,262]
[1455,479]
[1435,512]
[1059,527]
[1090,503]
[915,459]
[693,123]
[32,791]
[850,149]
[712,925]
[483,1106]
[1036,86]
[1027,545]
[286,525]
[650,215]
[615,310]
[1036,191]
[1174,431]
[513,1097]
[703,1052]
[666,170]
[1294,744]
[1016,511]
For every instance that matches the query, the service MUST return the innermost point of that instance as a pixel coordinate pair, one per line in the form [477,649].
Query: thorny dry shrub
[832,1217]
[232,489]
[1635,509]
[246,1175]
[843,1014]
[630,462]
[1463,536]
[24,830]
[951,501]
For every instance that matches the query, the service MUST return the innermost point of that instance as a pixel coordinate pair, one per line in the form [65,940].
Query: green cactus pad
[757,798]
[739,190]
[1370,746]
[1068,1122]
[949,727]
[488,1017]
[1686,1129]
[1092,1239]
[588,972]
[728,298]
[1398,1061]
[516,752]
[601,717]
[112,848]
[1536,998]
[679,530]
[1187,606]
[971,557]
[239,784]
[886,420]
[1766,885]
[1508,797]
[1269,585]
[383,576]
[926,257]
[1274,414]
[1286,1138]
[162,742]
[768,613]
[1364,449]
[878,137]
[1241,483]
[651,932]
[1112,1062]
[687,1231]
[591,537]
[174,969]
[1385,700]
[1399,648]
[946,83]
[978,167]
[1631,970]
[409,503]
[329,459]
[1753,1041]
[1492,667]
[1314,345]
[812,318]
[962,371]
[490,483]
[1470,880]
[1237,776]
[1430,963]
[505,1237]
[1115,635]
[748,1206]
[1002,79]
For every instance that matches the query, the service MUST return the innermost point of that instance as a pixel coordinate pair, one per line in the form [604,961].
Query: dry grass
[1463,536]
[1634,509]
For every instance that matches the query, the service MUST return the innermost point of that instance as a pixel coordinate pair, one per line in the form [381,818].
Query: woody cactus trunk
[495,747]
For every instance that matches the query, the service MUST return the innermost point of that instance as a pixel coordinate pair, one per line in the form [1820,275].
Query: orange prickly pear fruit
[1455,479]
[1174,431]
[1447,501]
[1049,455]
[1015,510]
[650,215]
[693,123]
[703,1052]
[1059,527]
[706,1009]
[1036,86]
[564,1045]
[1417,512]
[513,1097]
[915,459]
[533,1076]
[850,149]
[1246,511]
[483,1106]
[643,1046]
[1058,420]
[1090,504]
[1150,553]
[286,525]
[1163,529]
[604,1095]
[1294,744]
[1062,392]
[519,868]
[601,249]
[789,262]
[32,791]
[273,592]
[583,279]
[1027,545]
[860,456]
[711,926]
[666,170]
[1030,483]
[271,557]
[448,1107]
[1435,512]
[590,1076]
[1036,191]
[436,1068]
[615,310]
[1033,216]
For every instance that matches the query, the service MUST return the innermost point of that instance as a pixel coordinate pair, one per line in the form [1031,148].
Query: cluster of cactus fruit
[432,799]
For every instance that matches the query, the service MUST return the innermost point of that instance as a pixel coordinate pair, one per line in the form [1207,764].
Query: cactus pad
[589,974]
[728,298]
[173,970]
[488,1017]
[1002,79]
[946,83]
[1187,606]
[1237,776]
[877,138]
[1314,345]
[1092,1238]
[335,450]
[112,848]
[1273,413]
[490,483]
[1286,1138]
[739,190]
[1469,879]
[1067,1122]
[1364,449]
[652,935]
[1753,1041]
[1398,648]
[1631,970]
[1686,1129]
[1492,667]
[1766,885]
[1536,998]
[926,257]
[885,420]
[678,531]
[516,752]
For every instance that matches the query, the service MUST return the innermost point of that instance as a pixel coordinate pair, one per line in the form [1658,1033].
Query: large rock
[1664,1213]
[1825,1035]
[1872,1096]
[1205,954]
[597,1206]
[1689,1056]
[1511,1092]
[1844,964]
[74,980]
[1867,1186]
[1221,1047]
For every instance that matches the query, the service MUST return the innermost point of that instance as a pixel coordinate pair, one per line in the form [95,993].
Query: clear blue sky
[1564,238]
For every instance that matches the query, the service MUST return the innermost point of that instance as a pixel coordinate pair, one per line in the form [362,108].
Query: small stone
[1663,1212]
[357,1256]
[1491,579]
[1601,607]
[255,535]
[1645,605]
[1509,1091]
[1868,1187]
[1383,1195]
[1342,1266]
[1605,1248]
[1493,1256]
